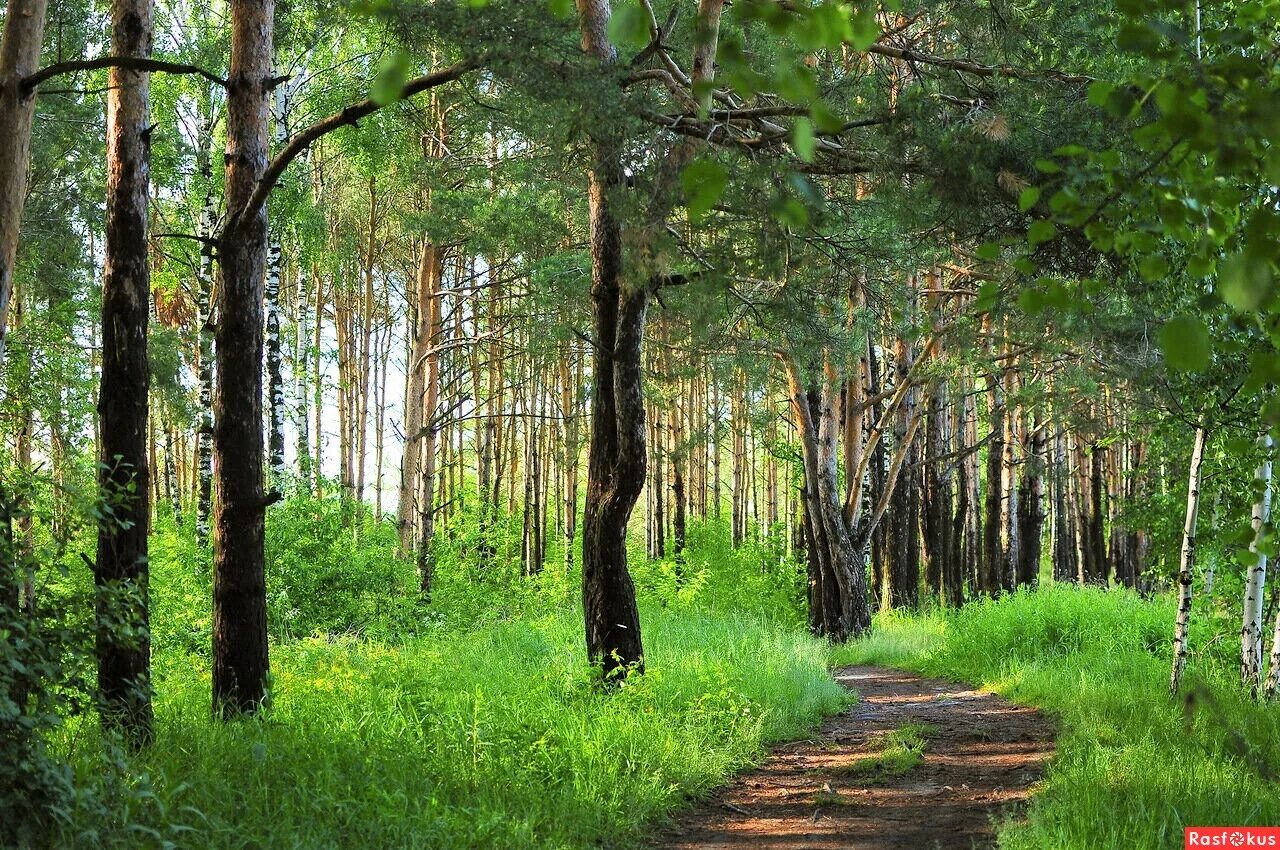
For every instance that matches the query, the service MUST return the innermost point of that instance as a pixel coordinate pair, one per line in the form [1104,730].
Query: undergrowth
[471,722]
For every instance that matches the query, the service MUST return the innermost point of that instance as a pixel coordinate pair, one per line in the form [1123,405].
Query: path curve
[981,757]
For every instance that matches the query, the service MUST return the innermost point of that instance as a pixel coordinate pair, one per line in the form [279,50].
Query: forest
[639,423]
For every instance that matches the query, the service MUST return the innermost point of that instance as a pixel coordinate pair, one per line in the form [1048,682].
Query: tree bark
[1256,578]
[616,456]
[204,308]
[429,299]
[120,570]
[240,655]
[19,57]
[1187,563]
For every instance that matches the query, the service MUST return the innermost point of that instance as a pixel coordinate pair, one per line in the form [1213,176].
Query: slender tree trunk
[204,308]
[430,300]
[839,606]
[120,570]
[411,458]
[1031,506]
[570,381]
[240,662]
[301,355]
[994,554]
[1186,567]
[274,345]
[1255,582]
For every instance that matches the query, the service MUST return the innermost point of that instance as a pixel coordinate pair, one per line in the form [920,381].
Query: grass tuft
[900,750]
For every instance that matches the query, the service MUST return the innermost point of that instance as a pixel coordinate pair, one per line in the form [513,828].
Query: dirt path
[916,764]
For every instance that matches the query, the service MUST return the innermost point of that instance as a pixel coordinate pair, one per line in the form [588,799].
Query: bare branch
[350,115]
[132,63]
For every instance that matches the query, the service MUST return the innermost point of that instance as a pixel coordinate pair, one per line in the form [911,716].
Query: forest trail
[915,764]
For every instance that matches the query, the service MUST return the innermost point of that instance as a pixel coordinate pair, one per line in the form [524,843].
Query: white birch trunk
[1251,628]
[1187,564]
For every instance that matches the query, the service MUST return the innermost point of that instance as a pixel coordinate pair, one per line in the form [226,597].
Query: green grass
[1134,766]
[493,738]
[900,750]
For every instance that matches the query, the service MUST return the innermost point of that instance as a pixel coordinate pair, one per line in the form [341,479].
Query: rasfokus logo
[1231,836]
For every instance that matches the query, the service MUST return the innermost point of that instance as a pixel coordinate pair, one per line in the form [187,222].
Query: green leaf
[1040,231]
[1244,282]
[802,139]
[390,79]
[703,181]
[865,29]
[1028,198]
[1100,91]
[988,296]
[789,212]
[1153,267]
[1031,301]
[1047,166]
[560,8]
[1185,343]
[988,251]
[629,25]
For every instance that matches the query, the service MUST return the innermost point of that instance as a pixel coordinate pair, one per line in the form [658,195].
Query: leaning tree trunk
[120,570]
[839,605]
[19,55]
[1251,629]
[240,663]
[1187,563]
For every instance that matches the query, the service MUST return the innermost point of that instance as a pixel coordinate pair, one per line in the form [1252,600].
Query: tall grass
[398,725]
[1134,765]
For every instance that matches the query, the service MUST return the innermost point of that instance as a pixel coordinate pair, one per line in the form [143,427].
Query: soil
[981,759]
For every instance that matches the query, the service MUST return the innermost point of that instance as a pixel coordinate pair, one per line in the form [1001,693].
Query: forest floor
[915,764]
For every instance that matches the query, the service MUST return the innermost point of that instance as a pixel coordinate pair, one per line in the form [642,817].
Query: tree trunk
[204,308]
[1187,564]
[19,56]
[1031,506]
[274,347]
[411,459]
[1255,582]
[839,606]
[120,570]
[616,455]
[994,554]
[432,329]
[240,662]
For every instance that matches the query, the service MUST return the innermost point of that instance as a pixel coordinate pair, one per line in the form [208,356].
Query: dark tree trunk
[993,549]
[240,663]
[120,571]
[1097,538]
[1031,507]
[1065,564]
[616,456]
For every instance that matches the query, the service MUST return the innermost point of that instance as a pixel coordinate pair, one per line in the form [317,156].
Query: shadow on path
[980,759]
